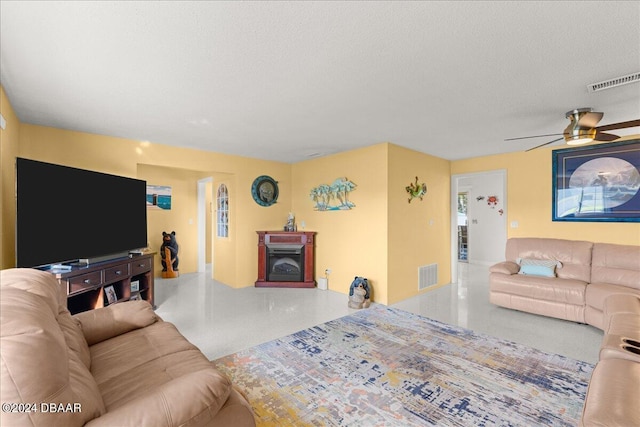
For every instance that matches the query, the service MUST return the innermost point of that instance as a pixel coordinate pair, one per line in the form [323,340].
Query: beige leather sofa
[614,389]
[594,283]
[586,274]
[116,366]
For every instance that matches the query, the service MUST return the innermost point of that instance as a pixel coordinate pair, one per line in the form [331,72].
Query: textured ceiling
[291,80]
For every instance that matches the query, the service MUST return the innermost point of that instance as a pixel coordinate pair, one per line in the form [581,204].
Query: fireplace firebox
[285,259]
[285,263]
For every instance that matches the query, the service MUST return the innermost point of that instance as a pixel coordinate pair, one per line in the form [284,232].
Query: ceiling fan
[583,129]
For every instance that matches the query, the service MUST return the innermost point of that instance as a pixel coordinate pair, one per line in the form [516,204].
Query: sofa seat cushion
[619,304]
[613,394]
[135,364]
[597,293]
[567,291]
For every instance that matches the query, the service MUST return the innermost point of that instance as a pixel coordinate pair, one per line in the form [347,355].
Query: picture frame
[135,285]
[597,183]
[264,190]
[159,197]
[135,297]
[110,292]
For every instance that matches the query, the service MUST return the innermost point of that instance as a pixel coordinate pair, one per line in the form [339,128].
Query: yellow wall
[224,259]
[9,141]
[419,232]
[181,218]
[529,200]
[383,238]
[183,168]
[349,242]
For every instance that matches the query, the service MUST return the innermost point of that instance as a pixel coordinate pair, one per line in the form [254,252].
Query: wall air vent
[619,81]
[427,276]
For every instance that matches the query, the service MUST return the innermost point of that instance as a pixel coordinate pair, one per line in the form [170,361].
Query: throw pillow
[538,267]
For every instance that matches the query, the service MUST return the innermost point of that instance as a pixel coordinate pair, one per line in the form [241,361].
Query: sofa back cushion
[574,255]
[616,264]
[37,363]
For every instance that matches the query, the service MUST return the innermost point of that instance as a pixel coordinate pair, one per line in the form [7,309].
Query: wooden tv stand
[85,286]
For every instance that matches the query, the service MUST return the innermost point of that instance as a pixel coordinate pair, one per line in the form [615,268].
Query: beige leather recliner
[613,395]
[115,366]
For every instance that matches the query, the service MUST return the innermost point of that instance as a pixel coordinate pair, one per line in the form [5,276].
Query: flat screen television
[66,214]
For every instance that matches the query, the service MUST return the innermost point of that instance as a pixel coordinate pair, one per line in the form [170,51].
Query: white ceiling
[291,80]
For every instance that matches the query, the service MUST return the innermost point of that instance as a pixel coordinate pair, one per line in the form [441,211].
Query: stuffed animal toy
[169,241]
[359,293]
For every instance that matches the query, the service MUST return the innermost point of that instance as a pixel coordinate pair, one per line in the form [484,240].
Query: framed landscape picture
[158,197]
[597,183]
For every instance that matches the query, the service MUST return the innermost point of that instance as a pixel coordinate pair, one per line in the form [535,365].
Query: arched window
[223,211]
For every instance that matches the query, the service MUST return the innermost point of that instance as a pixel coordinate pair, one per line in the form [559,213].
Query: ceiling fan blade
[546,143]
[535,136]
[621,125]
[601,136]
[589,120]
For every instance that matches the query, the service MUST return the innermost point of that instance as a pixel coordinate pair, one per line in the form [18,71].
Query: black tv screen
[66,214]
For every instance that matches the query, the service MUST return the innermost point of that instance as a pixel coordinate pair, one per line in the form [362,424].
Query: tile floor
[221,320]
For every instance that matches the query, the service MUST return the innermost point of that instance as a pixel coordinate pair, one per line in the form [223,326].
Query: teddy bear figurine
[359,293]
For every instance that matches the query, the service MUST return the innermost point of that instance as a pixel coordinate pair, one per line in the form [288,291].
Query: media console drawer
[85,281]
[116,273]
[140,266]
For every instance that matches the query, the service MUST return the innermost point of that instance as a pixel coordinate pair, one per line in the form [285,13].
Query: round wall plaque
[264,190]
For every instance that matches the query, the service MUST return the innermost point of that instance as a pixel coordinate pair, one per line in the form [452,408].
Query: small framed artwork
[597,183]
[111,294]
[159,197]
[135,297]
[135,285]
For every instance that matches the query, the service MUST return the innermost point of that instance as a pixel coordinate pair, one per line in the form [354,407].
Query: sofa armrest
[107,322]
[193,399]
[505,267]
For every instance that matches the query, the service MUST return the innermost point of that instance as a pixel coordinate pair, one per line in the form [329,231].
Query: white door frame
[202,226]
[454,212]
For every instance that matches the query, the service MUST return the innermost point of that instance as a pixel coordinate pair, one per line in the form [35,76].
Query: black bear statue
[169,241]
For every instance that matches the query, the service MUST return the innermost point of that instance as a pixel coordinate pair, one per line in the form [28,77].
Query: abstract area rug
[387,367]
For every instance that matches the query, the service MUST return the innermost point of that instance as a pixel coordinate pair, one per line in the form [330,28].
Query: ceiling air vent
[619,81]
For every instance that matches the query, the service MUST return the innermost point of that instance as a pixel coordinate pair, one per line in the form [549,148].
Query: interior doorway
[486,213]
[463,236]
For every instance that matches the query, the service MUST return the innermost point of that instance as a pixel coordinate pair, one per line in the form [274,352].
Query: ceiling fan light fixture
[579,141]
[580,136]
